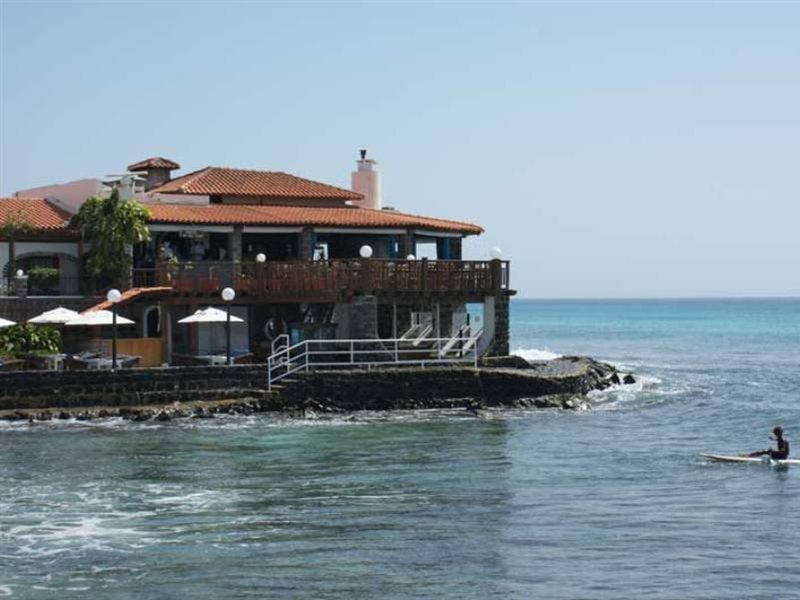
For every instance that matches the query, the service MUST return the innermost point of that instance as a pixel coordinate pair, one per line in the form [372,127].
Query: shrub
[18,340]
[43,280]
[112,226]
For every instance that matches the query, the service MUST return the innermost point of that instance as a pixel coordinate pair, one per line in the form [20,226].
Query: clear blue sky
[609,150]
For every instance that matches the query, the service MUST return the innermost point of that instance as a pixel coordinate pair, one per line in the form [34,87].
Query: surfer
[782,451]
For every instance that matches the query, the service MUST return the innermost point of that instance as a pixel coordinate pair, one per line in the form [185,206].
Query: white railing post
[290,359]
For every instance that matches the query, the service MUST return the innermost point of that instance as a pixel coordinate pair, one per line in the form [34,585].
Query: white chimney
[366,180]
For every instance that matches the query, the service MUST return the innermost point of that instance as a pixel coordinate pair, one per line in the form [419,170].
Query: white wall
[23,248]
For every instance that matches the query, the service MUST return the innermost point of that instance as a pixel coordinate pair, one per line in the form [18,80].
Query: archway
[152,322]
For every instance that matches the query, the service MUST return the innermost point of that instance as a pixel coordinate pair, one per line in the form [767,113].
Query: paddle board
[750,459]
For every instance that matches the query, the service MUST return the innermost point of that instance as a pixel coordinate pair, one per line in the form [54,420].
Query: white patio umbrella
[210,315]
[57,316]
[94,318]
[215,315]
[6,322]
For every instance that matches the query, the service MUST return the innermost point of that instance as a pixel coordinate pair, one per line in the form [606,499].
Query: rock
[614,379]
[628,379]
[163,416]
[509,362]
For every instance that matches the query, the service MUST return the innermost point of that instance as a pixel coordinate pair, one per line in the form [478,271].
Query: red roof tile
[345,216]
[219,181]
[155,162]
[37,212]
[130,294]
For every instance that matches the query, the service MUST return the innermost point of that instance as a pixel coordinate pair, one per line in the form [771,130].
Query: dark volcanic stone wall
[393,388]
[502,326]
[40,389]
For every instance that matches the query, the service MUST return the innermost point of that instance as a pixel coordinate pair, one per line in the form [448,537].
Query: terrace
[330,280]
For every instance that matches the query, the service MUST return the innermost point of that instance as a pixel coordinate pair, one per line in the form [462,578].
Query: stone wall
[500,343]
[550,384]
[305,244]
[63,389]
[364,318]
[561,383]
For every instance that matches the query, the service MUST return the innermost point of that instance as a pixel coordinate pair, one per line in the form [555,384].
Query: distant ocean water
[608,503]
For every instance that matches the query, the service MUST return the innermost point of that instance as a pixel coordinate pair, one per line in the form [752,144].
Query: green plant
[15,224]
[112,226]
[43,280]
[17,340]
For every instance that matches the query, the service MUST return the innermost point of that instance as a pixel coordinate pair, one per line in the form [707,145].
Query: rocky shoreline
[509,381]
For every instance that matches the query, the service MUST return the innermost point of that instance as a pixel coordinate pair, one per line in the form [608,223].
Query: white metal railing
[331,354]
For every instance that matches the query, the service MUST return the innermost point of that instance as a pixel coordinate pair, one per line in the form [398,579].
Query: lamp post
[261,257]
[114,296]
[228,294]
[365,251]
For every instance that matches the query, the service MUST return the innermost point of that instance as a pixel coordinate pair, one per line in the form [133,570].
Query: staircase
[405,351]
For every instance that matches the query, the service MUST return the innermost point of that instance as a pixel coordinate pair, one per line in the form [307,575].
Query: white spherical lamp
[411,257]
[261,257]
[20,273]
[496,253]
[114,296]
[366,251]
[228,294]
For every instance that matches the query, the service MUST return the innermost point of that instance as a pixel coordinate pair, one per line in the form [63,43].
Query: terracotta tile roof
[220,181]
[131,294]
[345,216]
[38,212]
[155,162]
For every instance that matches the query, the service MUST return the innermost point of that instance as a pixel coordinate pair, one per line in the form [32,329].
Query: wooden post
[166,333]
[80,265]
[438,328]
[423,279]
[194,332]
[497,275]
[12,260]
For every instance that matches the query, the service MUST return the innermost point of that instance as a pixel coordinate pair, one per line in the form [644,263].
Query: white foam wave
[53,537]
[535,354]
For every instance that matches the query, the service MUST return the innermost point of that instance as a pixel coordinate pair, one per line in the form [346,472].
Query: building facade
[305,259]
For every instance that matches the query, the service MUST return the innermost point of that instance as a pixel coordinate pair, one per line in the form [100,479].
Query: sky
[610,150]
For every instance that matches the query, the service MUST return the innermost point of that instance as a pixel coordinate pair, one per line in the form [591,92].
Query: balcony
[31,286]
[331,280]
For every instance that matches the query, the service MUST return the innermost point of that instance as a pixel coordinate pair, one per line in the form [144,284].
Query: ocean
[612,502]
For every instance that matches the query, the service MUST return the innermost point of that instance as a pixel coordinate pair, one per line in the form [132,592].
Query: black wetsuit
[782,453]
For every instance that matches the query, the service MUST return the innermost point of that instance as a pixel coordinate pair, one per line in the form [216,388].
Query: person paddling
[781,453]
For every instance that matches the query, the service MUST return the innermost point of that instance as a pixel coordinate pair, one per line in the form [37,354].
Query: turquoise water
[608,503]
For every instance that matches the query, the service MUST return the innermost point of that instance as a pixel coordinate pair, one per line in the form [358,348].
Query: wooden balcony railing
[330,276]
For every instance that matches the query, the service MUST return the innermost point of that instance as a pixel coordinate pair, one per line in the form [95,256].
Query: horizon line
[715,297]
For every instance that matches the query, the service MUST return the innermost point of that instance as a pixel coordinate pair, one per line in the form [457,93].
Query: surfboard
[750,459]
